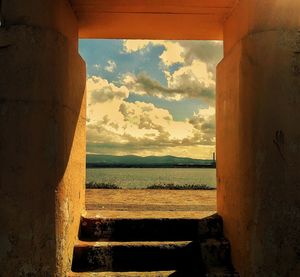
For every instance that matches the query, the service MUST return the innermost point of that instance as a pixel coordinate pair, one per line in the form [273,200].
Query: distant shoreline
[99,185]
[94,165]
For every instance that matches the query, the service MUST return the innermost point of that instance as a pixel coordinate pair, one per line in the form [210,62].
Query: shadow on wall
[42,155]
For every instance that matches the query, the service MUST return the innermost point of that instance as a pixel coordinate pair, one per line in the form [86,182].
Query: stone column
[42,137]
[258,137]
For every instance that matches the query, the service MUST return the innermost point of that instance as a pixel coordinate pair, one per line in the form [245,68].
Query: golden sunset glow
[152,97]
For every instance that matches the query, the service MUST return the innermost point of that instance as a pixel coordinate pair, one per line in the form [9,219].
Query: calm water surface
[143,177]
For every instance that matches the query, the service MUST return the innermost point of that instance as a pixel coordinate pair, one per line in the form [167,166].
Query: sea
[135,178]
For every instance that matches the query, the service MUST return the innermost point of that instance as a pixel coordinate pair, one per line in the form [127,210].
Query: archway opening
[151,126]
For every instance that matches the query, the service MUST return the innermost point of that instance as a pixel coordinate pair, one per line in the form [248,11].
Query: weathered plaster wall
[254,16]
[53,14]
[258,138]
[156,19]
[42,138]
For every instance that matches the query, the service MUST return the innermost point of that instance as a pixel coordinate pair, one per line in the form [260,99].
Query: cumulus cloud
[210,52]
[141,127]
[134,45]
[195,81]
[97,66]
[111,66]
[172,54]
[192,81]
[144,85]
[100,90]
[117,126]
[182,51]
[204,126]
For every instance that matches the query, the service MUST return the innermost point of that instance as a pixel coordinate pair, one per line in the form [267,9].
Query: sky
[151,97]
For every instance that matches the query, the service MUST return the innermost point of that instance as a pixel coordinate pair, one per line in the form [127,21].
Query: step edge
[80,243]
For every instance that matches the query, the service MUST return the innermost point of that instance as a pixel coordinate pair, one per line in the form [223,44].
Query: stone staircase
[152,247]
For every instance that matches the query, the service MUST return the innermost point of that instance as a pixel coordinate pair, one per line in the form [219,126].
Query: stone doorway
[43,117]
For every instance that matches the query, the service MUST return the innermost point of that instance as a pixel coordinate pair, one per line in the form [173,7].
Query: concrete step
[198,256]
[149,229]
[123,274]
[225,273]
[135,256]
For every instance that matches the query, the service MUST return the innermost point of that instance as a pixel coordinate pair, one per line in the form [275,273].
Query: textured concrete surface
[42,141]
[145,229]
[219,272]
[50,14]
[143,246]
[132,256]
[124,274]
[256,16]
[196,249]
[151,256]
[156,19]
[258,131]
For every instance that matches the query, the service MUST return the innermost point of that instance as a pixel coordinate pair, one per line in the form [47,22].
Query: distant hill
[150,161]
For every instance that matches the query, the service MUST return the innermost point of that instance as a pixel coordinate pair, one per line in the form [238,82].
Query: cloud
[142,84]
[120,127]
[141,149]
[100,90]
[97,66]
[182,51]
[134,45]
[111,66]
[210,52]
[116,126]
[172,54]
[192,81]
[204,126]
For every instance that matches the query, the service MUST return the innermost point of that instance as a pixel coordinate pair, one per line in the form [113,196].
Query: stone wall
[258,137]
[42,138]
